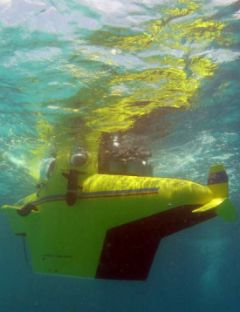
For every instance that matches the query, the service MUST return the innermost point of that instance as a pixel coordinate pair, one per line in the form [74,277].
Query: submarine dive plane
[109,225]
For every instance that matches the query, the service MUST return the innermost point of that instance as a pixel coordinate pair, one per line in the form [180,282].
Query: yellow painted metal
[69,240]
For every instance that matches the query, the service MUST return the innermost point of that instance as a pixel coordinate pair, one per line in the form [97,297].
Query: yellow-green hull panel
[69,240]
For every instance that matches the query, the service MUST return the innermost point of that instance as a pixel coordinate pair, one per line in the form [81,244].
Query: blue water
[71,68]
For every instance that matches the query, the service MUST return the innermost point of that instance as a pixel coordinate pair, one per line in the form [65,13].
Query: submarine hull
[114,228]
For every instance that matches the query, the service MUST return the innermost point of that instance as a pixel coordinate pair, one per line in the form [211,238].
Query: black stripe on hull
[129,249]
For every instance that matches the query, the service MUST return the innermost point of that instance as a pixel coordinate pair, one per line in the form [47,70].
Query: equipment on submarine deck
[109,225]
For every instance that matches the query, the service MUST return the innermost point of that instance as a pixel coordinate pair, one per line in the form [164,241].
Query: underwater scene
[119,155]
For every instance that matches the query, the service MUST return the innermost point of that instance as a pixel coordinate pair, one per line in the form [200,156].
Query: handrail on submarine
[27,208]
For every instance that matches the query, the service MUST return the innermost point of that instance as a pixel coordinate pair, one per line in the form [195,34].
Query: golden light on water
[159,65]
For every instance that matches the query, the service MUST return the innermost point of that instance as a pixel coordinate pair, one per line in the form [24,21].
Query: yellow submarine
[109,225]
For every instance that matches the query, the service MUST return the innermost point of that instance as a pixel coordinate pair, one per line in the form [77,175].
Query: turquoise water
[163,71]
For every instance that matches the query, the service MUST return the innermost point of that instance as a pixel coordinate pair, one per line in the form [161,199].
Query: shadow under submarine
[109,225]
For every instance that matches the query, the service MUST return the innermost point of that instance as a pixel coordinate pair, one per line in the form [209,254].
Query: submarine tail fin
[218,184]
[223,206]
[218,181]
[227,211]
